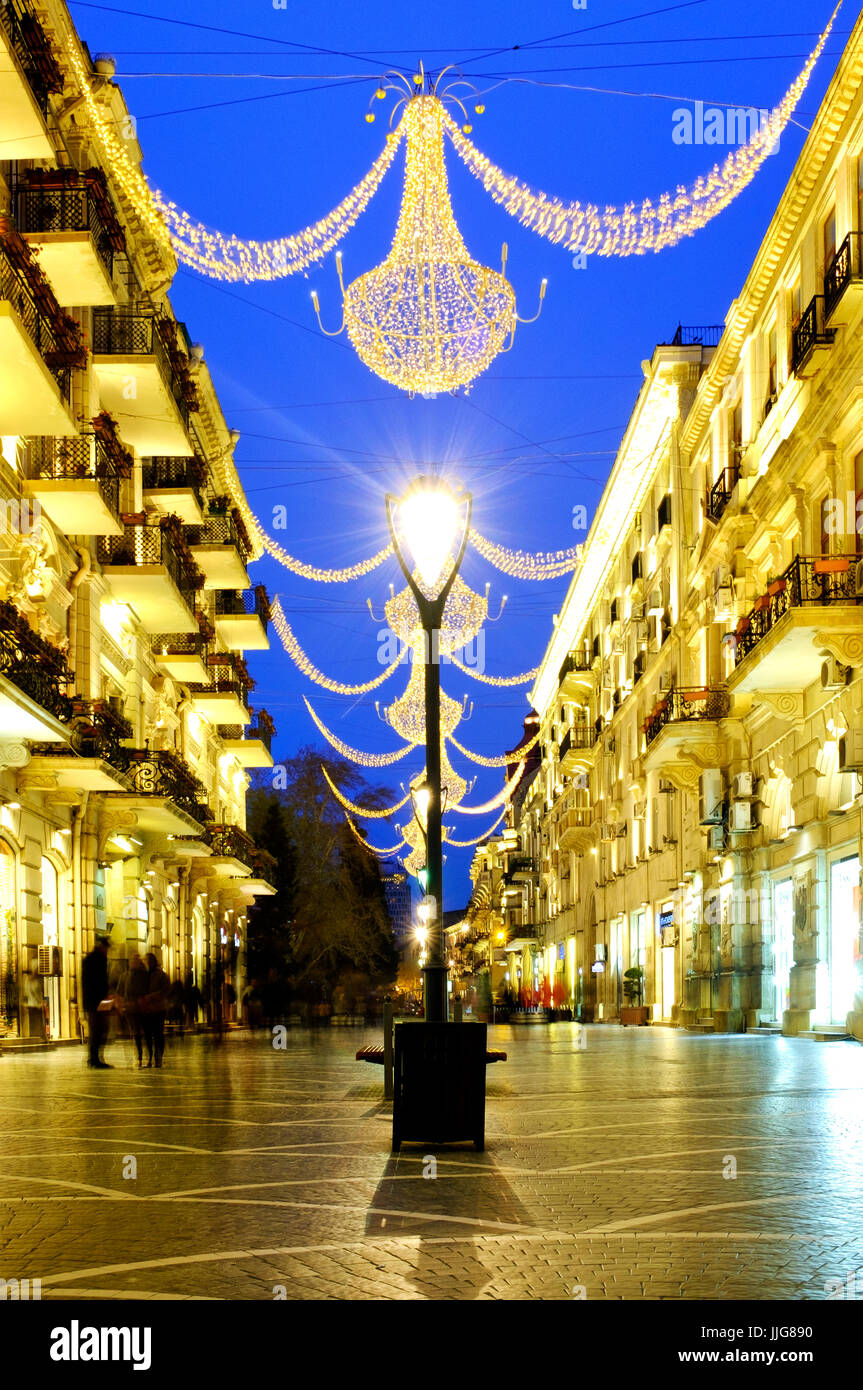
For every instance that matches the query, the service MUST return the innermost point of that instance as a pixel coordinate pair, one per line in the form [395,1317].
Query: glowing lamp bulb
[429,521]
[370,115]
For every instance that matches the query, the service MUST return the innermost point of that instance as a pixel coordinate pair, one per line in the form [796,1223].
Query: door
[668,976]
[844,928]
[783,946]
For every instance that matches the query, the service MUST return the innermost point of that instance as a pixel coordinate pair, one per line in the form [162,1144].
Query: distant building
[397,892]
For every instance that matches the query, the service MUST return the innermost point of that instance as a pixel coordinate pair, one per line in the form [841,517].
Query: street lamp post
[424,524]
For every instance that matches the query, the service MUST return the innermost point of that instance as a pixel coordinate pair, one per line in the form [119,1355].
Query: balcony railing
[37,323]
[720,494]
[237,603]
[844,268]
[120,333]
[576,661]
[576,739]
[705,336]
[34,665]
[230,842]
[97,729]
[809,333]
[681,705]
[151,543]
[76,457]
[174,472]
[33,51]
[809,580]
[67,207]
[221,529]
[159,772]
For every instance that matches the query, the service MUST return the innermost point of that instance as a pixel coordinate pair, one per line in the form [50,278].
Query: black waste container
[439,1091]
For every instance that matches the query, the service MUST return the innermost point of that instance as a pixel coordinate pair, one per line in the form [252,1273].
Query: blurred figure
[135,987]
[94,997]
[175,1004]
[34,1002]
[191,1001]
[155,1007]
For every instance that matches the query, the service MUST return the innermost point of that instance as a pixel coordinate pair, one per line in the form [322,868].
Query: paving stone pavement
[267,1174]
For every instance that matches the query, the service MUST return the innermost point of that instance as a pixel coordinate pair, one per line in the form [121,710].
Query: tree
[330,912]
[270,919]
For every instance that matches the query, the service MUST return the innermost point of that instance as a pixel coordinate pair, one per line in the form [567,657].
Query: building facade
[126,732]
[696,820]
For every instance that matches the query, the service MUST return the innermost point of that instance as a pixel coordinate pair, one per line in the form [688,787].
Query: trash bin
[439,1083]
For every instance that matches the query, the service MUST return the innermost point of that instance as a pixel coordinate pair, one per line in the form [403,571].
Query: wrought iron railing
[681,705]
[33,51]
[262,729]
[117,332]
[576,661]
[844,268]
[72,207]
[230,842]
[159,772]
[98,729]
[34,665]
[220,529]
[577,738]
[237,603]
[174,472]
[705,336]
[182,644]
[809,332]
[808,580]
[223,685]
[150,543]
[721,493]
[77,456]
[39,328]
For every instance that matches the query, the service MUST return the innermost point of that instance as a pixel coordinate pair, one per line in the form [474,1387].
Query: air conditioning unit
[639,810]
[48,960]
[743,784]
[833,674]
[655,605]
[666,683]
[609,747]
[710,797]
[716,837]
[851,751]
[741,815]
[636,612]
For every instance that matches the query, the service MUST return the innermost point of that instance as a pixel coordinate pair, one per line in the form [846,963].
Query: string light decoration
[464,616]
[355,755]
[388,312]
[429,318]
[406,715]
[467,844]
[637,227]
[499,800]
[357,810]
[520,564]
[384,851]
[298,656]
[523,679]
[504,761]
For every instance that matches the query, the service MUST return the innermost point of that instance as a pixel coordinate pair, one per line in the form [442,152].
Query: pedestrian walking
[191,1001]
[154,1006]
[135,987]
[96,1001]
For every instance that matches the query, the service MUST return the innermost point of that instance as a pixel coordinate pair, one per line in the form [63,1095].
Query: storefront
[666,941]
[843,958]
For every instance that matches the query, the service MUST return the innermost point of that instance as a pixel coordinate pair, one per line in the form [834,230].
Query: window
[772,372]
[613,617]
[636,567]
[828,237]
[735,435]
[860,194]
[663,512]
[795,305]
[858,503]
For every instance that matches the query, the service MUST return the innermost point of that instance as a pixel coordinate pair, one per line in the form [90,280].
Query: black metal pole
[435,972]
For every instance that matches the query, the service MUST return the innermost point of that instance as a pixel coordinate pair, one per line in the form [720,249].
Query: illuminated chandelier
[429,318]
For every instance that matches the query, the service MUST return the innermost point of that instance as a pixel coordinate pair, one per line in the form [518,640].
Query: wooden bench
[375,1053]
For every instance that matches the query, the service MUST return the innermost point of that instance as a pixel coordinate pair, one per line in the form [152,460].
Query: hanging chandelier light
[429,318]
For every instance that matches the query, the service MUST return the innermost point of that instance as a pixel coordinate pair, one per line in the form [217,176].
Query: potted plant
[633,1012]
[776,584]
[762,602]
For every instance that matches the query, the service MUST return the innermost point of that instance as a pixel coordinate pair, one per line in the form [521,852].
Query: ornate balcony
[183,656]
[149,568]
[812,607]
[35,348]
[576,748]
[811,339]
[721,493]
[843,279]
[235,855]
[70,219]
[575,829]
[174,486]
[165,795]
[223,699]
[251,747]
[521,869]
[242,619]
[29,73]
[576,675]
[33,677]
[221,548]
[77,483]
[137,348]
[97,731]
[681,706]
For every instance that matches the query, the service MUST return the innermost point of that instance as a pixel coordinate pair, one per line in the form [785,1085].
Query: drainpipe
[78,816]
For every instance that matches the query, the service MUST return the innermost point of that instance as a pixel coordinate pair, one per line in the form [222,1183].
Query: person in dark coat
[136,984]
[155,1007]
[94,991]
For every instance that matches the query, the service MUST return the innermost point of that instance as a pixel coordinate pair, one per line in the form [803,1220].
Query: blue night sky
[536,437]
